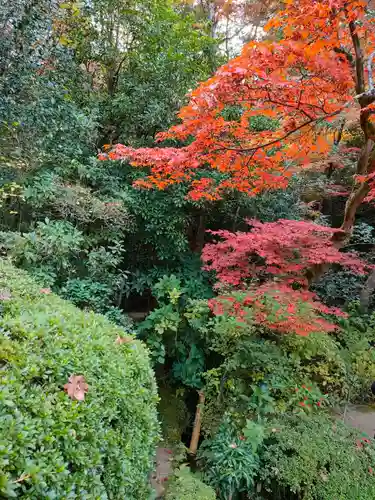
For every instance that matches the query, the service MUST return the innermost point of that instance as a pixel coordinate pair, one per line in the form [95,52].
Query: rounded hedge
[53,447]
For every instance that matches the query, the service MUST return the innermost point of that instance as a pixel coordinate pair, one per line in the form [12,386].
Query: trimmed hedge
[52,447]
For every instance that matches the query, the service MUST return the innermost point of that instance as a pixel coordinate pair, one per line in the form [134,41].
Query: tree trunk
[201,230]
[197,426]
[366,291]
[354,201]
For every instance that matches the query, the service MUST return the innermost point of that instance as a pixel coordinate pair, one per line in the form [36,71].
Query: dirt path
[361,417]
[163,470]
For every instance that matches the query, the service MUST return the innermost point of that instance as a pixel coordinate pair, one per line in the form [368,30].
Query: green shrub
[185,486]
[53,447]
[317,458]
[229,461]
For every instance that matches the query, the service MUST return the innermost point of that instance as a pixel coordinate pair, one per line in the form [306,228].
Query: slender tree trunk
[201,230]
[354,201]
[366,291]
[197,425]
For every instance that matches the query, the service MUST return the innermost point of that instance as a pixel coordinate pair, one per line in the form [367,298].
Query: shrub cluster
[53,446]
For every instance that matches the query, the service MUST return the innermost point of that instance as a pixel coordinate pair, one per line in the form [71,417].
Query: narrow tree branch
[369,69]
[359,66]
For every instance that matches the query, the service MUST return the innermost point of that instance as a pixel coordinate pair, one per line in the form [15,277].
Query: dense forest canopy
[201,173]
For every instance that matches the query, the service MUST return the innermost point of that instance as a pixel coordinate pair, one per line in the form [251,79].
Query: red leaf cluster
[278,307]
[285,249]
[267,264]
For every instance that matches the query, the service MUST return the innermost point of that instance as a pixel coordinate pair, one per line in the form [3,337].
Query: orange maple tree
[296,86]
[332,28]
[307,79]
[274,80]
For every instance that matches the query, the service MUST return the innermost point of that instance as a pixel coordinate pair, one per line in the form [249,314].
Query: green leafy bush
[173,330]
[317,458]
[51,445]
[186,486]
[87,294]
[49,252]
[229,461]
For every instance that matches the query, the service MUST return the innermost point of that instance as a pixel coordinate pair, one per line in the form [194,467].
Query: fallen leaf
[5,294]
[76,387]
[124,340]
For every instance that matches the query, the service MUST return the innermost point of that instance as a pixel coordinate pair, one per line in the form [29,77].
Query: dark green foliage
[173,415]
[267,207]
[162,223]
[339,288]
[230,462]
[172,56]
[232,113]
[172,330]
[261,123]
[357,338]
[52,446]
[40,121]
[87,294]
[317,458]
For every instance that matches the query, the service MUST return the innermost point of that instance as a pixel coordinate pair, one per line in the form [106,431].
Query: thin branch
[359,69]
[369,69]
[275,141]
[22,478]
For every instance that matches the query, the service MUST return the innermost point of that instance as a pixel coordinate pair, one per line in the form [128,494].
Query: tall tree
[334,29]
[322,64]
[39,116]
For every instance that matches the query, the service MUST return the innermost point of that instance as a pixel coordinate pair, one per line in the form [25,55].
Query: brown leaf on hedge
[124,340]
[76,387]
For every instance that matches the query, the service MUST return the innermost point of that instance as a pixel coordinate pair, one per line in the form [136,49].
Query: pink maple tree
[264,272]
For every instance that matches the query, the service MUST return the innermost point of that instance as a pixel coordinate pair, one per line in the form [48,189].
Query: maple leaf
[76,388]
[124,340]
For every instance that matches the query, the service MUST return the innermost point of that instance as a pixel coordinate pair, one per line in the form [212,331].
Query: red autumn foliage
[266,265]
[274,80]
[278,307]
[285,249]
